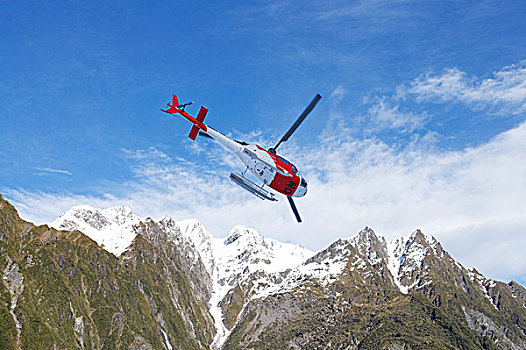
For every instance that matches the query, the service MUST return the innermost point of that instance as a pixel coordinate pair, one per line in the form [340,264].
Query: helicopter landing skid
[251,187]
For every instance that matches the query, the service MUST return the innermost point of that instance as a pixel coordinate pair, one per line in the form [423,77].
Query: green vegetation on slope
[77,295]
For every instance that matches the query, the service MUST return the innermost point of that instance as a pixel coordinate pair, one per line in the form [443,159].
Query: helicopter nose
[302,189]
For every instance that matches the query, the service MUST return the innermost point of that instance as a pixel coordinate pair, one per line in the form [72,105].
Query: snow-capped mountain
[245,251]
[243,258]
[239,275]
[111,228]
[247,263]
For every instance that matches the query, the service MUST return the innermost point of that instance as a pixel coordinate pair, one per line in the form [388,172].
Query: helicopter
[270,168]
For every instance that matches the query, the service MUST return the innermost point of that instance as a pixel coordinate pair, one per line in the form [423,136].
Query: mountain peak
[111,228]
[119,209]
[100,217]
[366,233]
[424,238]
[249,234]
[366,237]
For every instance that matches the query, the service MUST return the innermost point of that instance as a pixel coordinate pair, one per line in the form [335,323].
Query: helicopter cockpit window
[294,169]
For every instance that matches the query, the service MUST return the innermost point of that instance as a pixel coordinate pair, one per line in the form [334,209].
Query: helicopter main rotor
[297,123]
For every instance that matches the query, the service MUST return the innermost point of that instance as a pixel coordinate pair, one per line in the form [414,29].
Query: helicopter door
[264,172]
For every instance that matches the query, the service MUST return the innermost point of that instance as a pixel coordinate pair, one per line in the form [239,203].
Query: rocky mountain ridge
[255,292]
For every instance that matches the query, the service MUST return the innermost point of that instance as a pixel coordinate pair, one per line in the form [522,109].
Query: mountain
[109,279]
[225,273]
[406,294]
[61,290]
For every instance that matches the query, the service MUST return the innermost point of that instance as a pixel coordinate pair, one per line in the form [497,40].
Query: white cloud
[47,171]
[337,95]
[505,92]
[386,116]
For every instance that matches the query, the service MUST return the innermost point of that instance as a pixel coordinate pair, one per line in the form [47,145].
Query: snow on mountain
[245,251]
[191,233]
[370,245]
[262,266]
[396,252]
[196,233]
[324,267]
[484,283]
[245,256]
[111,228]
[405,258]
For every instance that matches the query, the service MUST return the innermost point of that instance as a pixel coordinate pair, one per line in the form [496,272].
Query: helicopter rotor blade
[294,209]
[298,121]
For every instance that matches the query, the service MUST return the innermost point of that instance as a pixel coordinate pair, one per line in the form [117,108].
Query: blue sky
[420,126]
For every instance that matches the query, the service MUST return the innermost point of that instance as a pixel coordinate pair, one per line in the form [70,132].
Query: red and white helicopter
[273,170]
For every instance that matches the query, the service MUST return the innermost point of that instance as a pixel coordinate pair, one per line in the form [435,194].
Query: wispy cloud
[387,116]
[504,93]
[47,171]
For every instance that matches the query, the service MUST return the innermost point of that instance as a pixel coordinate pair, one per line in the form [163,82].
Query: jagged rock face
[180,252]
[518,291]
[242,292]
[61,290]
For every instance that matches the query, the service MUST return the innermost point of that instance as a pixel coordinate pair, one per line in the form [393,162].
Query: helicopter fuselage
[271,169]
